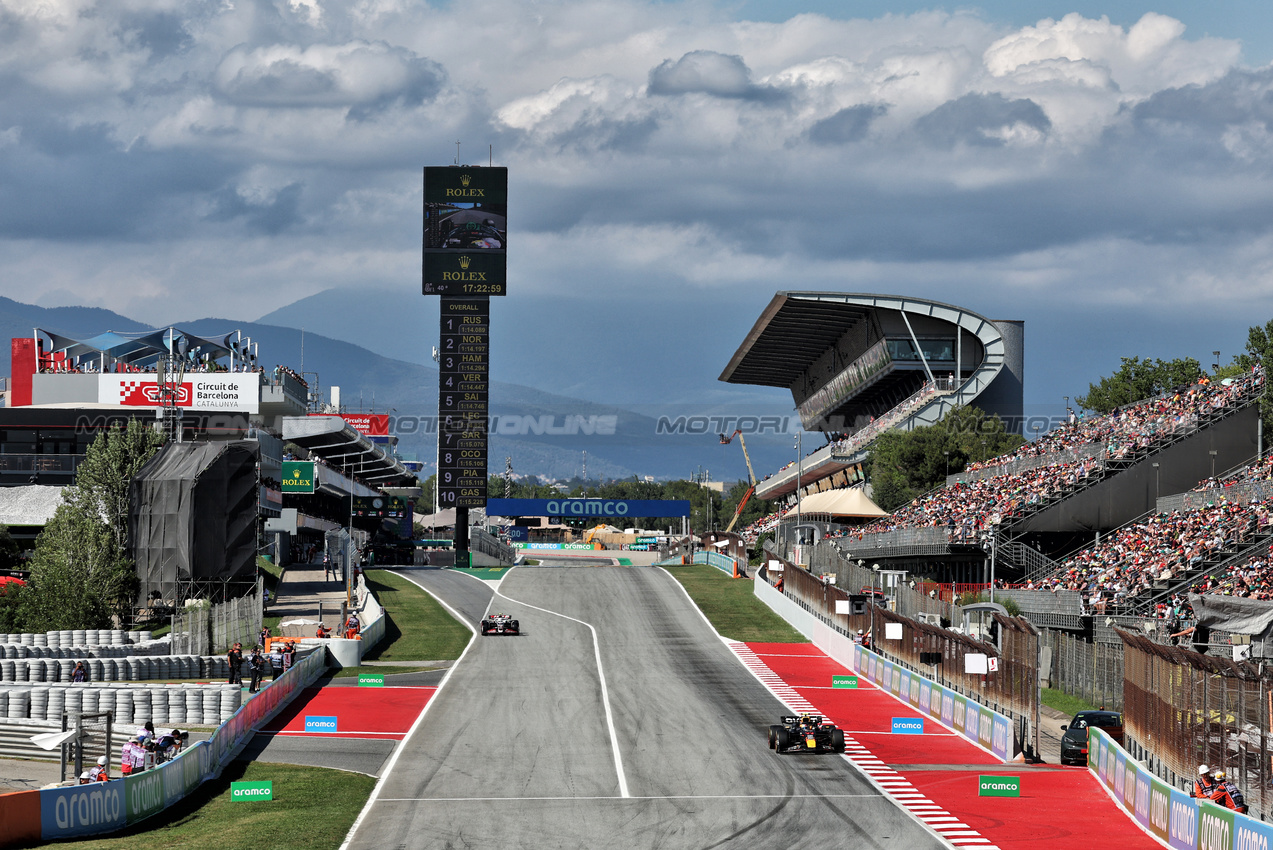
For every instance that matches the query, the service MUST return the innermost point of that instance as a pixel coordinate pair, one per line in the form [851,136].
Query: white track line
[605,691]
[397,751]
[889,781]
[614,799]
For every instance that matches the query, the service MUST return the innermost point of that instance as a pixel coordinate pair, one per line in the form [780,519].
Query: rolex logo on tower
[464,262]
[464,180]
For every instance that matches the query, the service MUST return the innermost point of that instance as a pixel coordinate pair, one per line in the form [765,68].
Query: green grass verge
[1065,703]
[732,607]
[351,672]
[313,807]
[418,628]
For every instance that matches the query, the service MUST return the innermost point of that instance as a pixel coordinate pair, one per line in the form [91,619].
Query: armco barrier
[970,719]
[1168,813]
[725,563]
[59,813]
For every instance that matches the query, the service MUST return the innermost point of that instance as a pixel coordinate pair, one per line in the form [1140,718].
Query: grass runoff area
[1065,703]
[732,607]
[418,627]
[313,807]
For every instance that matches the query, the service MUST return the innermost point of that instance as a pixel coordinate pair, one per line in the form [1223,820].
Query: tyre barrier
[76,637]
[54,814]
[132,668]
[174,705]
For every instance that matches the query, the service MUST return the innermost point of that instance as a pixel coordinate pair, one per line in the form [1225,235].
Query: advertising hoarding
[465,231]
[367,424]
[588,507]
[298,476]
[238,391]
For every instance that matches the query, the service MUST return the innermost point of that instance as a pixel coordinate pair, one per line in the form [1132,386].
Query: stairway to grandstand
[1210,532]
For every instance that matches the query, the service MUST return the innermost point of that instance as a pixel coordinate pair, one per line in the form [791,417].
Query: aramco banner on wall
[588,507]
[239,391]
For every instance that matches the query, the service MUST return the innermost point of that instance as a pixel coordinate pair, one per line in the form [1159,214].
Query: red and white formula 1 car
[500,624]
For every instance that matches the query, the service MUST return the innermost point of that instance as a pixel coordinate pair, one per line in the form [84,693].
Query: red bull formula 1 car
[500,624]
[807,733]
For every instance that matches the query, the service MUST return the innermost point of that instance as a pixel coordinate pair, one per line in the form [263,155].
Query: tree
[78,574]
[1139,379]
[905,464]
[11,616]
[1259,351]
[10,552]
[81,575]
[754,509]
[104,477]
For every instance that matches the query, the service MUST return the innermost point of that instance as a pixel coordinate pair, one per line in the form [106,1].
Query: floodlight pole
[799,471]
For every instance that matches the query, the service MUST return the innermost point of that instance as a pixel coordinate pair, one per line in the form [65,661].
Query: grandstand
[1087,478]
[858,364]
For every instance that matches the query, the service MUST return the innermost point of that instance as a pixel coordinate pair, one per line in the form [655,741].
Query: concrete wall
[62,388]
[1133,492]
[1005,395]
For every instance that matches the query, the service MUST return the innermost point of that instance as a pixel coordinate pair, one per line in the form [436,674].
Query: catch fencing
[1011,690]
[212,629]
[1183,709]
[1091,671]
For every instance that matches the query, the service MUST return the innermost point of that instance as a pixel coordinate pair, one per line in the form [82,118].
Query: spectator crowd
[1128,430]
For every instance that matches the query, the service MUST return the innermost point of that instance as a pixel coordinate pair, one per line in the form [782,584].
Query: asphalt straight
[617,719]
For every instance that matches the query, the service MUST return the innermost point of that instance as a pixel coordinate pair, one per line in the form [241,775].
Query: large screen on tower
[465,230]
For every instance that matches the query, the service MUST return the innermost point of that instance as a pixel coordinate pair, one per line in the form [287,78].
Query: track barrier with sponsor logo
[988,729]
[252,792]
[59,813]
[1167,813]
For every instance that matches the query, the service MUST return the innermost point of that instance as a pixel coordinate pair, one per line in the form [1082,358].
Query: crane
[751,476]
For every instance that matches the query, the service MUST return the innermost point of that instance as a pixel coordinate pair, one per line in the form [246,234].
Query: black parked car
[1074,739]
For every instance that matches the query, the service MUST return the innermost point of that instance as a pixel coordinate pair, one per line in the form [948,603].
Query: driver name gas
[464,275]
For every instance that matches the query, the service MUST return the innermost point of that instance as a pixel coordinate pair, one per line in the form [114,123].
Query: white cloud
[197,158]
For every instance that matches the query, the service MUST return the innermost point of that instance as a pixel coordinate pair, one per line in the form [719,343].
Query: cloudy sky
[1098,169]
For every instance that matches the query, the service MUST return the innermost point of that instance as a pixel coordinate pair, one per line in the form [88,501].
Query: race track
[517,749]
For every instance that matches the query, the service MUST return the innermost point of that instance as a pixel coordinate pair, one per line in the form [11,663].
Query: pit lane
[515,749]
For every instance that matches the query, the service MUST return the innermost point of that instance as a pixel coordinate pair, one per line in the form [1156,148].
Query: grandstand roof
[33,504]
[339,444]
[145,347]
[792,332]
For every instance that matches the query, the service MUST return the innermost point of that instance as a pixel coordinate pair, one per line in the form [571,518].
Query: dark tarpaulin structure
[1235,614]
[193,520]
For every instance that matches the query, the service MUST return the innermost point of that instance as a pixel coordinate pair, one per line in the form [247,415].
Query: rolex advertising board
[465,230]
[298,476]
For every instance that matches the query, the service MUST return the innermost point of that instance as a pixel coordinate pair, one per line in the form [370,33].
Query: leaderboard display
[465,230]
[463,401]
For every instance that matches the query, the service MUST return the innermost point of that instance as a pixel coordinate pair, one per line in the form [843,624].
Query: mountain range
[545,433]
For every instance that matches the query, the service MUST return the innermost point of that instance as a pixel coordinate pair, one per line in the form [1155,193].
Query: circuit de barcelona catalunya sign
[588,507]
[199,391]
